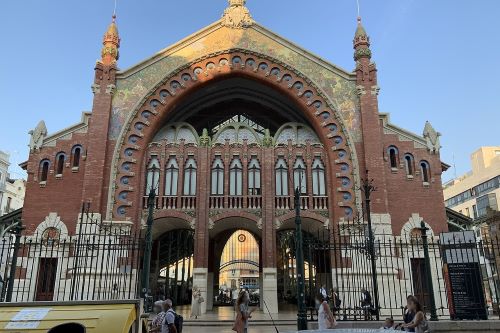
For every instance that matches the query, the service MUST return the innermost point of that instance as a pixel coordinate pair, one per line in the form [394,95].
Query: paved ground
[258,329]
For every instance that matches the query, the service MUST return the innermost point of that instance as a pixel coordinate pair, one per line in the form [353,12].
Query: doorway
[239,269]
[46,279]
[174,266]
[317,266]
[420,285]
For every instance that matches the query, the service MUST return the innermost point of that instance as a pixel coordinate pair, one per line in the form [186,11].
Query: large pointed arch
[150,113]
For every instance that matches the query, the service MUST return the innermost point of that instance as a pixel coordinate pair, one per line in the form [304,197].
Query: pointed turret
[361,43]
[111,44]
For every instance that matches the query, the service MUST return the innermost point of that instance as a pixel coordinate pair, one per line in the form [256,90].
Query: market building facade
[223,126]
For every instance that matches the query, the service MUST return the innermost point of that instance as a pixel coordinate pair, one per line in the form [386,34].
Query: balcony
[187,202]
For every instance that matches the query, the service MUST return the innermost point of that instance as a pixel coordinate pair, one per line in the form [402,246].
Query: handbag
[239,325]
[201,299]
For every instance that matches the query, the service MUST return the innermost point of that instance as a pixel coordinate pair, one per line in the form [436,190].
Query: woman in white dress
[326,319]
[196,303]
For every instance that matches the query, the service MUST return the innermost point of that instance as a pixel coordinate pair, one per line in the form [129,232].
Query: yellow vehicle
[116,316]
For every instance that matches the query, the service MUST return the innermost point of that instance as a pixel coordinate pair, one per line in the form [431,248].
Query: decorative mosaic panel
[135,83]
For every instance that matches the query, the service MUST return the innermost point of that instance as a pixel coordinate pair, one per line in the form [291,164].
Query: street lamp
[16,231]
[148,238]
[301,315]
[367,187]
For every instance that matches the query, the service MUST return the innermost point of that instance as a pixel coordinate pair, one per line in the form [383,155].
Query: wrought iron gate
[174,266]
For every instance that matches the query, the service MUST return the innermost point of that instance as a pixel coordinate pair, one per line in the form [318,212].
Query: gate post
[428,275]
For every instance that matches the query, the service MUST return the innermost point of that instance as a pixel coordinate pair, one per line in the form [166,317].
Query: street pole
[368,188]
[301,315]
[148,238]
[10,287]
[425,244]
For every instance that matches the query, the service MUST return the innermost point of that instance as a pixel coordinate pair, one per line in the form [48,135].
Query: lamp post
[148,238]
[428,274]
[367,187]
[299,254]
[16,231]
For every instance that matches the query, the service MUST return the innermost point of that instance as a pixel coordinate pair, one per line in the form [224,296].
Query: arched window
[153,175]
[424,169]
[318,177]
[171,177]
[281,170]
[409,165]
[76,152]
[299,175]
[236,177]
[393,156]
[60,159]
[217,176]
[254,177]
[190,177]
[44,170]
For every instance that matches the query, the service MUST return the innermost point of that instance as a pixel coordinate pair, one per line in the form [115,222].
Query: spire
[237,15]
[111,43]
[361,43]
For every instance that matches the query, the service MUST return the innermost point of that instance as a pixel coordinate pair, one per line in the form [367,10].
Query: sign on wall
[463,275]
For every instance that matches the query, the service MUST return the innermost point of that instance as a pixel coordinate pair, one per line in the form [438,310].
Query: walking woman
[419,322]
[243,313]
[326,319]
[196,303]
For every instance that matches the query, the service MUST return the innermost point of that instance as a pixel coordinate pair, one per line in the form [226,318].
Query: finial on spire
[361,42]
[111,43]
[237,15]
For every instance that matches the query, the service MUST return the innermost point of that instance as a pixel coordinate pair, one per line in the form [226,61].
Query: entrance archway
[174,266]
[317,266]
[239,268]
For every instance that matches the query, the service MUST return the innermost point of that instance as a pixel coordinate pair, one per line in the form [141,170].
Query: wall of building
[462,193]
[59,193]
[407,193]
[13,197]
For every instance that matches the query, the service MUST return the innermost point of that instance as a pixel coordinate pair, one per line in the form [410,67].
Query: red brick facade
[112,173]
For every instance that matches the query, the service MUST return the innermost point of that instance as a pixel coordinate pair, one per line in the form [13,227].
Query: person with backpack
[172,322]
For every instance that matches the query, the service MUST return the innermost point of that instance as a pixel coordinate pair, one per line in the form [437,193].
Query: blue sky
[437,60]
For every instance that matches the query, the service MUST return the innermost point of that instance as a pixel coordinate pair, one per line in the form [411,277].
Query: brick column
[372,132]
[269,271]
[103,89]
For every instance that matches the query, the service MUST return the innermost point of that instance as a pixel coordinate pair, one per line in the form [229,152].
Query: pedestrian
[196,301]
[158,319]
[366,303]
[335,298]
[419,322]
[388,324]
[323,292]
[168,325]
[234,296]
[326,319]
[408,316]
[243,313]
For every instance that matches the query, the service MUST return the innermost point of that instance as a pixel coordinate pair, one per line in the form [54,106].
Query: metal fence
[101,262]
[418,264]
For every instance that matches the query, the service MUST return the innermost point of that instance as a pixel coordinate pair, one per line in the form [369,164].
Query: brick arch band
[151,112]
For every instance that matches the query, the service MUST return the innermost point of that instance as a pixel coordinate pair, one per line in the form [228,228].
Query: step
[229,323]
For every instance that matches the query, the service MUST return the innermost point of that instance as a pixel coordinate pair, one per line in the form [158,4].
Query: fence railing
[341,262]
[102,262]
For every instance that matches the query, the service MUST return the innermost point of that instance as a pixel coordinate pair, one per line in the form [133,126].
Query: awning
[95,317]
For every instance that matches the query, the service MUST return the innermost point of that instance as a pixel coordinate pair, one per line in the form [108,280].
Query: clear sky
[436,60]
